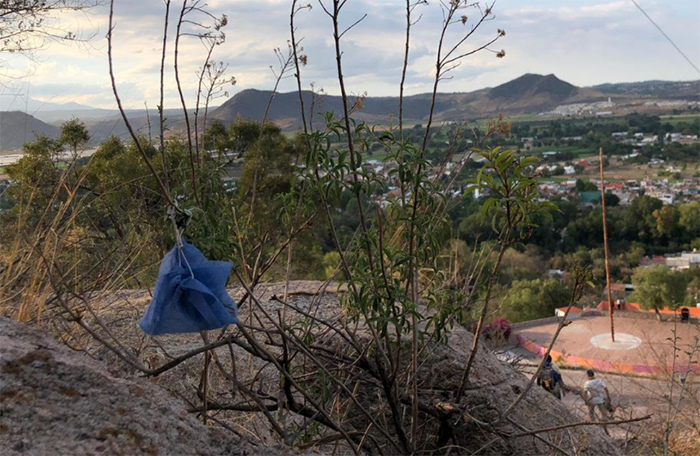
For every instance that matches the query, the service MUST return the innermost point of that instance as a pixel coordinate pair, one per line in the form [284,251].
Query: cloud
[573,13]
[584,42]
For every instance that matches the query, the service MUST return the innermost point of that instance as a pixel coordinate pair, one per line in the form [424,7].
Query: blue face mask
[190,294]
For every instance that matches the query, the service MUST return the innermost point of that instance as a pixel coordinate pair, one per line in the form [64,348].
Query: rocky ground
[57,401]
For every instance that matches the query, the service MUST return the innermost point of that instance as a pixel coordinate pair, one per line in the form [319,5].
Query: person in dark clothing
[550,378]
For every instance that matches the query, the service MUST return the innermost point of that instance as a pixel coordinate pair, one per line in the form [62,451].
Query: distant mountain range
[661,89]
[528,94]
[17,127]
[30,105]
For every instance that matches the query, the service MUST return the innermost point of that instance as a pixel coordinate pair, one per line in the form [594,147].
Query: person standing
[550,378]
[597,396]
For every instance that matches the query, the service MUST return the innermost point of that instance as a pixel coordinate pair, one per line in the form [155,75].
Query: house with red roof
[574,313]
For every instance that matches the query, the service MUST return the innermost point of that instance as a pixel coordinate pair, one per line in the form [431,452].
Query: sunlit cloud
[584,42]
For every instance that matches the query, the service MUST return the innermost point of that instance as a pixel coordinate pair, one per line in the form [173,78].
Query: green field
[681,118]
[577,151]
[557,179]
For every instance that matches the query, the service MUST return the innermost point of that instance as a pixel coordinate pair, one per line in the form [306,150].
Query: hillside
[496,384]
[285,108]
[661,89]
[16,128]
[16,102]
[101,129]
[531,85]
[528,94]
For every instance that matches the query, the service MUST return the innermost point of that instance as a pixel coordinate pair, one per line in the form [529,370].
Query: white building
[574,313]
[683,261]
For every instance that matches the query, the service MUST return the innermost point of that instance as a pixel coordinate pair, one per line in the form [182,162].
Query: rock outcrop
[57,401]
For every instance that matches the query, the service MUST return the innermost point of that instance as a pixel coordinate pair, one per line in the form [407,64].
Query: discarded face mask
[190,294]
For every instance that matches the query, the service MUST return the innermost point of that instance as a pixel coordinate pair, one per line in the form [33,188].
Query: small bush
[498,331]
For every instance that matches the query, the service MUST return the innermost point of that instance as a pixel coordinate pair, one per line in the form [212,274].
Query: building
[590,197]
[667,198]
[574,313]
[683,261]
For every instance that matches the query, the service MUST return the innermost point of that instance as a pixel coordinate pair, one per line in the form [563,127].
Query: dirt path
[634,397]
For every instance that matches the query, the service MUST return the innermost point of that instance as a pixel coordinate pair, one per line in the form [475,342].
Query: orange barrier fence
[634,307]
[604,366]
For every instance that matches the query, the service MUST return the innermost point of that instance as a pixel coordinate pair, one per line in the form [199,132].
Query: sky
[584,42]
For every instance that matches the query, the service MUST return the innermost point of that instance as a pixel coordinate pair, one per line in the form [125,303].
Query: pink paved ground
[655,348]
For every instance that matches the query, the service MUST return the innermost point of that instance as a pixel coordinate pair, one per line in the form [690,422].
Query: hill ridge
[528,94]
[17,127]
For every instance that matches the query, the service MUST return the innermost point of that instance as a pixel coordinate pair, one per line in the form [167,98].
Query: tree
[634,255]
[216,138]
[475,226]
[34,178]
[666,220]
[585,186]
[693,275]
[611,199]
[521,266]
[532,299]
[689,219]
[267,174]
[658,287]
[75,135]
[638,221]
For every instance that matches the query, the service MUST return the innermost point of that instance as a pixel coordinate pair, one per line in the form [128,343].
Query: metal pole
[611,306]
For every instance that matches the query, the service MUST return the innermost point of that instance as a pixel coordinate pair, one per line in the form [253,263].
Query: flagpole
[611,306]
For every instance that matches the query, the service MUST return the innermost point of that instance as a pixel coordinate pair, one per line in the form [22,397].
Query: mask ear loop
[178,236]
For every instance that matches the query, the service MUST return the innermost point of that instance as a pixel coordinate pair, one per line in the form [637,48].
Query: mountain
[661,89]
[50,112]
[20,102]
[285,108]
[57,113]
[16,128]
[534,85]
[59,116]
[528,94]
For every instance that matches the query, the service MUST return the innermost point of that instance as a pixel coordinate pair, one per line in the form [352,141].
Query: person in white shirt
[597,396]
